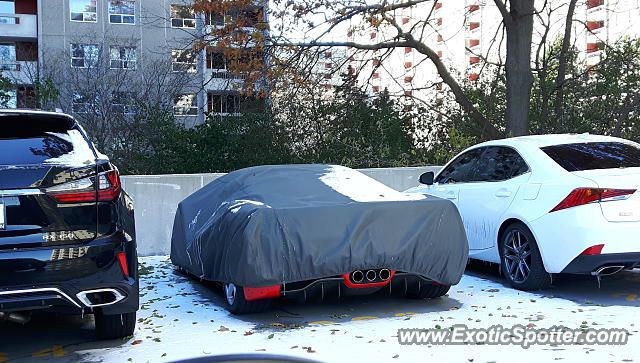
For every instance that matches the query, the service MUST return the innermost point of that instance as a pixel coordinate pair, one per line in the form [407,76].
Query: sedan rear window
[594,155]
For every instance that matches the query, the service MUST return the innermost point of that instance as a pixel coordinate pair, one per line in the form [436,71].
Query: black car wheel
[428,291]
[521,260]
[115,326]
[237,304]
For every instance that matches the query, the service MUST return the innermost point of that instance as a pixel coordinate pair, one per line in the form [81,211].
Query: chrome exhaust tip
[607,270]
[357,276]
[371,275]
[384,274]
[14,318]
[100,297]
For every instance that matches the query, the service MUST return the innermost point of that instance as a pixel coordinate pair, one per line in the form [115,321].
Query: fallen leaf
[270,336]
[493,290]
[223,328]
[248,333]
[454,308]
[136,342]
[309,350]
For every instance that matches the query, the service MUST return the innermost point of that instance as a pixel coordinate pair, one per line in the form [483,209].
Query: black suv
[67,234]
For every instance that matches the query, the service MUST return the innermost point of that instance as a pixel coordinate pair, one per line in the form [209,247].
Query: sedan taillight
[84,190]
[582,196]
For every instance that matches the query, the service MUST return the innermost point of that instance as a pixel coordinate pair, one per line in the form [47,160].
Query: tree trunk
[519,24]
[562,65]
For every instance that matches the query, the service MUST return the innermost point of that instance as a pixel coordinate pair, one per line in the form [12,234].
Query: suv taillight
[582,196]
[84,190]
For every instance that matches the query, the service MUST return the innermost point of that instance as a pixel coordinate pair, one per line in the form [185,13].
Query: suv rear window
[48,148]
[594,155]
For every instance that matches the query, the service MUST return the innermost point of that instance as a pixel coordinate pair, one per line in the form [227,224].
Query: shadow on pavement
[621,289]
[48,336]
[295,312]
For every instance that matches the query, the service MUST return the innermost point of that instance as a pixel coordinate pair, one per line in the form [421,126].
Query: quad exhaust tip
[371,276]
[357,276]
[100,297]
[384,274]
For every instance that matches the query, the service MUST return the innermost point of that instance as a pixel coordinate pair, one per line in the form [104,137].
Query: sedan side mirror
[427,178]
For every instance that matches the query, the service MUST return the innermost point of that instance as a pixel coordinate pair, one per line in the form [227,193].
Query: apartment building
[19,47]
[134,43]
[466,34]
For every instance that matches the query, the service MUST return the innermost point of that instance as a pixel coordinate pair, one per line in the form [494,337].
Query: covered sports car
[271,231]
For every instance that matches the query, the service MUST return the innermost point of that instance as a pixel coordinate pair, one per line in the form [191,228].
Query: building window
[223,103]
[182,16]
[185,105]
[214,19]
[8,57]
[8,7]
[594,25]
[122,11]
[594,3]
[183,60]
[84,55]
[83,10]
[215,60]
[246,18]
[230,104]
[122,58]
[81,103]
[122,102]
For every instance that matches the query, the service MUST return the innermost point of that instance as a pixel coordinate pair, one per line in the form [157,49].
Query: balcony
[221,80]
[18,27]
[19,72]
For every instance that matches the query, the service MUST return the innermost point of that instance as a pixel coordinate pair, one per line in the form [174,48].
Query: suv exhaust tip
[100,297]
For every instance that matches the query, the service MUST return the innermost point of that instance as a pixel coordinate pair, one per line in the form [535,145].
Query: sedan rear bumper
[73,279]
[591,264]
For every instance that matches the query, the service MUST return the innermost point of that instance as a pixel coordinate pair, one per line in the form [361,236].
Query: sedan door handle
[503,194]
[451,195]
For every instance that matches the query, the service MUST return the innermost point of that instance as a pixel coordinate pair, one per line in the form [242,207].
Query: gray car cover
[269,225]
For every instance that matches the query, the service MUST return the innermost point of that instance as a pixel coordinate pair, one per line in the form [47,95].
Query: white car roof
[539,141]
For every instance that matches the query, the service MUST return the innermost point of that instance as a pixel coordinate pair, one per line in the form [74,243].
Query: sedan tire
[520,258]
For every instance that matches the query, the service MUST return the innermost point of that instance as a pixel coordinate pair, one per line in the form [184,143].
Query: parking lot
[182,318]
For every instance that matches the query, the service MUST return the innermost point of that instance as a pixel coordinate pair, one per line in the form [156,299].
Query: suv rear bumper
[53,278]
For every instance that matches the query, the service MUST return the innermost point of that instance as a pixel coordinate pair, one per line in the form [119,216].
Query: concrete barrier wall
[156,198]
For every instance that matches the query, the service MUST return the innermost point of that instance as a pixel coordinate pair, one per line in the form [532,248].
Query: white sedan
[547,204]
